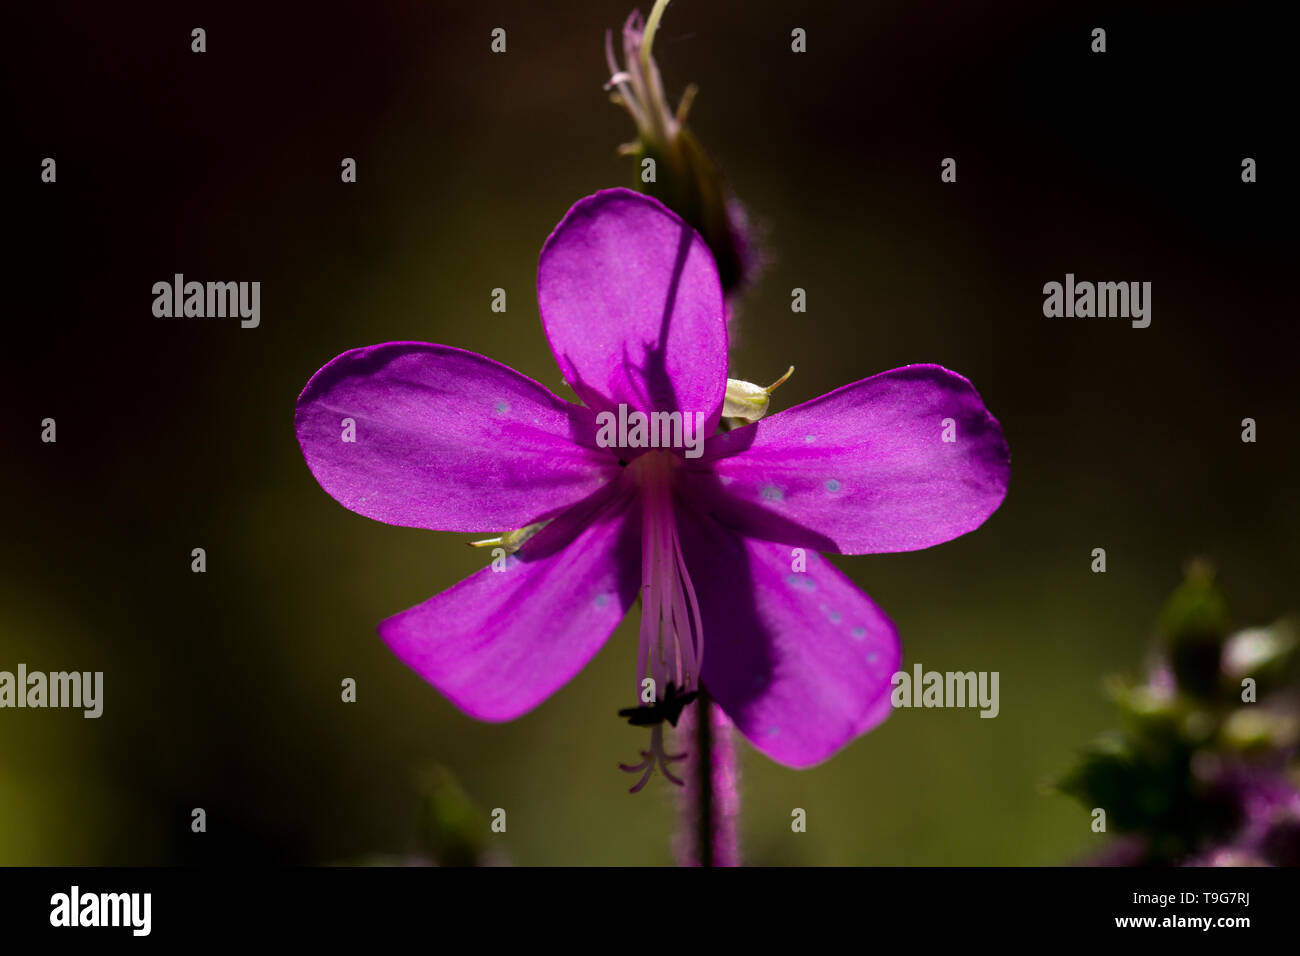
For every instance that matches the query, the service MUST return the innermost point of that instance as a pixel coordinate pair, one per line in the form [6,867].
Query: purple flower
[632,306]
[1266,804]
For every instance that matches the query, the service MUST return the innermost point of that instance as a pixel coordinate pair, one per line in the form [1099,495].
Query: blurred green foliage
[1199,717]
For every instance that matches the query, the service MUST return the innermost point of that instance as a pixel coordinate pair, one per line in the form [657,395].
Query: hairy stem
[710,801]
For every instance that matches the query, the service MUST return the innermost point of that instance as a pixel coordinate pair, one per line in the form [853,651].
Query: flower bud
[680,173]
[1194,626]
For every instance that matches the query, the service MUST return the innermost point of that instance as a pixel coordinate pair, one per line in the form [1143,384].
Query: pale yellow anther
[511,541]
[748,401]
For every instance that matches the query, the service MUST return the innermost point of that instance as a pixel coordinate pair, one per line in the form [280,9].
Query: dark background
[222,689]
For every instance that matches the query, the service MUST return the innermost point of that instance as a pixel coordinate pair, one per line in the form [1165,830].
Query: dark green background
[222,689]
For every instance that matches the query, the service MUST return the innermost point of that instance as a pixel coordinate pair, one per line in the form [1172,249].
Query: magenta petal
[862,469]
[633,309]
[800,661]
[445,439]
[500,642]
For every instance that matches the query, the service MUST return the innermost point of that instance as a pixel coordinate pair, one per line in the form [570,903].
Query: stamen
[512,541]
[780,381]
[672,633]
[748,401]
[671,644]
[693,602]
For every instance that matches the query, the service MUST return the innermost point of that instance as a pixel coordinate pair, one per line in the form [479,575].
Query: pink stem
[710,802]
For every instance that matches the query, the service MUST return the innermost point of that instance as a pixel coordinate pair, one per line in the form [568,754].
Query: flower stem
[710,801]
[703,774]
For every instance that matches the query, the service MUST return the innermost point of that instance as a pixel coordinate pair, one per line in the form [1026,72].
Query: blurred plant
[453,827]
[684,178]
[1203,770]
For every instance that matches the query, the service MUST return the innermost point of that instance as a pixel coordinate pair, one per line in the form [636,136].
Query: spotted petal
[900,461]
[801,661]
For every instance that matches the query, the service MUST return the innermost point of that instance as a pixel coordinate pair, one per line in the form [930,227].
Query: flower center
[671,647]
